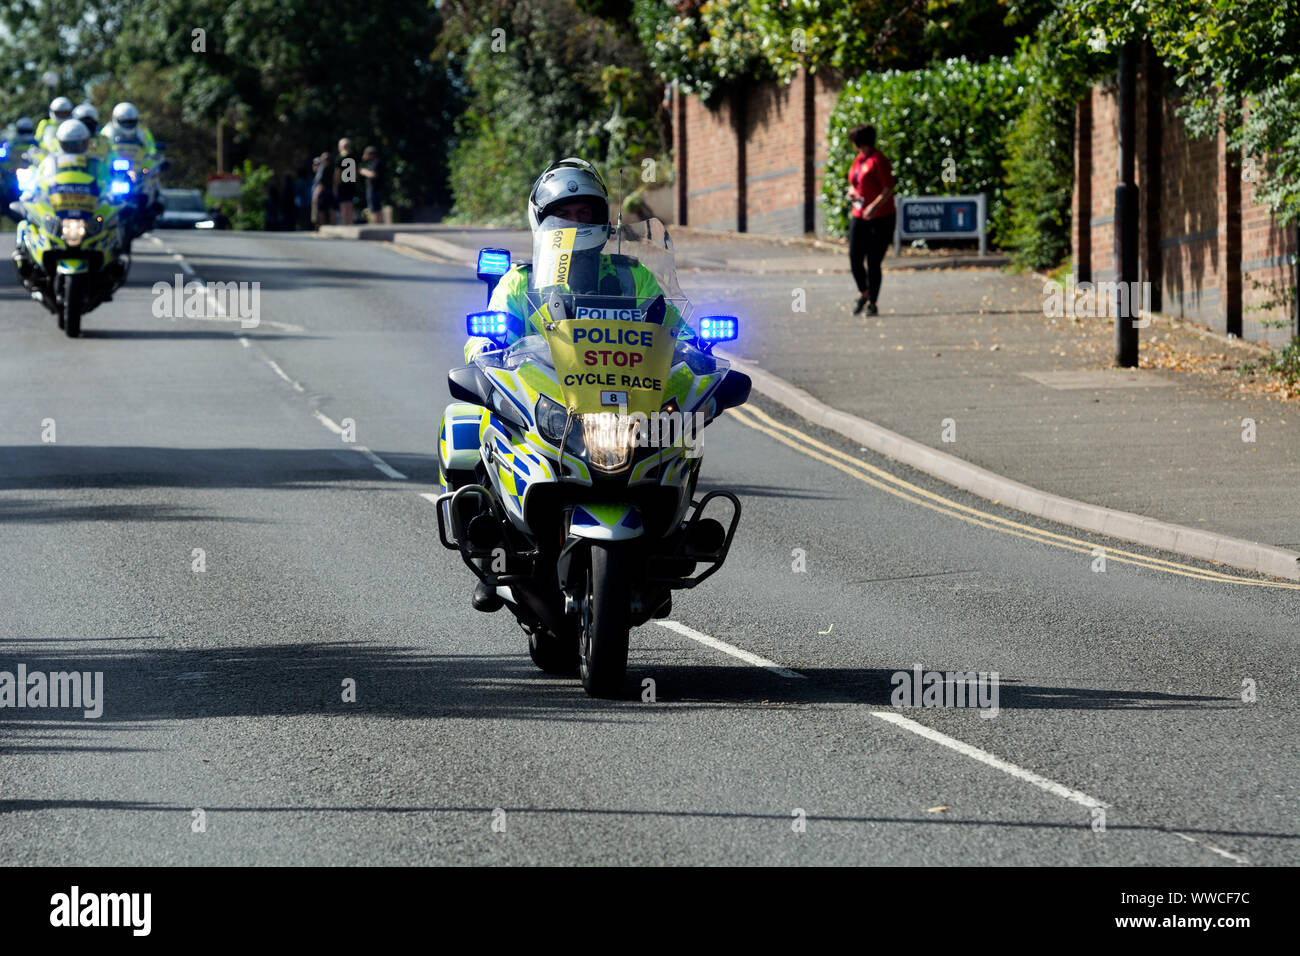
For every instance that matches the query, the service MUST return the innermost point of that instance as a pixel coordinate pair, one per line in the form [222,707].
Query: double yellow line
[760,421]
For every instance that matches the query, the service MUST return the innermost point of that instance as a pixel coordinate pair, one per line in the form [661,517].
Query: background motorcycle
[68,252]
[137,186]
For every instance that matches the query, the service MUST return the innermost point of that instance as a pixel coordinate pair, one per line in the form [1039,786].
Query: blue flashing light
[488,325]
[493,262]
[119,187]
[719,328]
[120,164]
[4,150]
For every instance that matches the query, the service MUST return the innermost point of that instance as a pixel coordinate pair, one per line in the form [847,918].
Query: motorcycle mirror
[16,212]
[733,390]
[556,307]
[466,384]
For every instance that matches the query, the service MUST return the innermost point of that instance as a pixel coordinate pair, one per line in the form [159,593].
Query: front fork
[469,524]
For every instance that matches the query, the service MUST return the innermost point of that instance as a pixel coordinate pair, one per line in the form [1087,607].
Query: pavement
[1123,722]
[964,360]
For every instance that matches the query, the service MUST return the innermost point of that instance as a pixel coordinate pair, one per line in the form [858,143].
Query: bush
[1039,186]
[249,211]
[1285,364]
[956,110]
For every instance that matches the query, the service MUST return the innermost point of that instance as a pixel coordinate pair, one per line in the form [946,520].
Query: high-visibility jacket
[616,276]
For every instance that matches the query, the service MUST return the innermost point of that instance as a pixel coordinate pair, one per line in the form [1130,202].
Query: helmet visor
[566,255]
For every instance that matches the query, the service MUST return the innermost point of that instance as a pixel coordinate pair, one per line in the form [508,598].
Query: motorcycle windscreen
[611,365]
[601,295]
[581,259]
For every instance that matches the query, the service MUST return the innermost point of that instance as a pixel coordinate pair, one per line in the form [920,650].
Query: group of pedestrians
[335,182]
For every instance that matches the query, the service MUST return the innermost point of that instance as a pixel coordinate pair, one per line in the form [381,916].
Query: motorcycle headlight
[610,438]
[551,419]
[74,230]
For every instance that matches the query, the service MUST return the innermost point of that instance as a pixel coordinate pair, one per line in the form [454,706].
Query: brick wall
[754,162]
[1212,253]
[826,93]
[707,180]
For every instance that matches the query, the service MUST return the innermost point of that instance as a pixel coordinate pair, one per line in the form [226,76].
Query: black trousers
[869,239]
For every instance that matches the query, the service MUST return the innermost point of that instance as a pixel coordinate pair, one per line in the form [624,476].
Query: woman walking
[871,228]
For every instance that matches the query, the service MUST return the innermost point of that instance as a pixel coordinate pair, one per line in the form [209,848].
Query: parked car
[184,209]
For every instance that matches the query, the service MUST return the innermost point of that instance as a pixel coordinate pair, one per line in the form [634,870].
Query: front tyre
[606,620]
[74,298]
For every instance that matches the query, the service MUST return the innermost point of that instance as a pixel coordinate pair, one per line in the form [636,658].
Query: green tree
[1220,55]
[72,40]
[292,78]
[709,46]
[546,79]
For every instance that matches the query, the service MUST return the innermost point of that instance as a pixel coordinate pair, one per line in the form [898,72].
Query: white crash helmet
[73,136]
[88,115]
[126,116]
[569,178]
[24,127]
[60,108]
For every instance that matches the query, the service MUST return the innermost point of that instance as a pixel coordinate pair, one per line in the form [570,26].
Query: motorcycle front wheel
[606,621]
[73,300]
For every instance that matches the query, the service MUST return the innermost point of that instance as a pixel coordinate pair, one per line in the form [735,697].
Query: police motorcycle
[16,167]
[68,252]
[136,169]
[570,457]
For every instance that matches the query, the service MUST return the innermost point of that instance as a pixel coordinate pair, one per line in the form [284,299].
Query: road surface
[1121,734]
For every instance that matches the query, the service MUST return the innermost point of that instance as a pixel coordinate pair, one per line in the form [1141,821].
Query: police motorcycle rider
[125,127]
[569,193]
[126,138]
[573,191]
[47,129]
[24,133]
[15,157]
[74,138]
[89,117]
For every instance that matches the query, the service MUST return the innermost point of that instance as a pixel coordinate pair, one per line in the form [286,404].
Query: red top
[870,175]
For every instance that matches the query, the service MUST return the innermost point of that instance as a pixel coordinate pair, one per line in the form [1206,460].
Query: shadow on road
[181,335]
[58,465]
[767,491]
[288,678]
[138,806]
[39,510]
